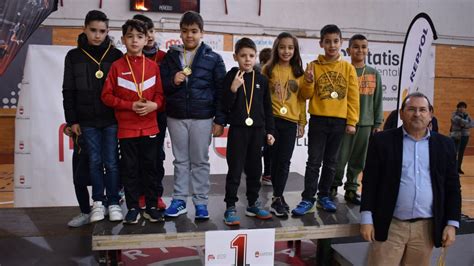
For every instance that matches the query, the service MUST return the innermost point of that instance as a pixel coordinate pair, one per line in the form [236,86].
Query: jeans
[101,145]
[324,140]
[460,147]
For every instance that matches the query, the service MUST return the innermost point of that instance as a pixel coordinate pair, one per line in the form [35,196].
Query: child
[133,89]
[85,70]
[81,179]
[246,102]
[152,51]
[263,58]
[334,109]
[354,146]
[285,73]
[192,80]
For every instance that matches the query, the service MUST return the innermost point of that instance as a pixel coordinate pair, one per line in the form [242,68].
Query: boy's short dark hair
[264,55]
[190,18]
[96,15]
[461,105]
[134,24]
[355,37]
[148,22]
[245,43]
[330,28]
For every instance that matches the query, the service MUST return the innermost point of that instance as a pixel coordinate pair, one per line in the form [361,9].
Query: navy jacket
[382,174]
[198,96]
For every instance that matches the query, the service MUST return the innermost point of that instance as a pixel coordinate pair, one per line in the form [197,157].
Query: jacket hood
[323,61]
[83,43]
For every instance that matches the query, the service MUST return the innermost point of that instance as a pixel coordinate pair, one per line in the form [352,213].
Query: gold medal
[283,110]
[334,95]
[99,74]
[249,121]
[187,71]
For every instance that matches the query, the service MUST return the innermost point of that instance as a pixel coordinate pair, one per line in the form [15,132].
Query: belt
[414,220]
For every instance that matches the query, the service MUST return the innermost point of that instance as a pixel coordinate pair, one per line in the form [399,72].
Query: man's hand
[376,129]
[351,130]
[76,129]
[143,108]
[300,131]
[270,139]
[449,235]
[217,130]
[238,81]
[68,131]
[367,232]
[179,77]
[309,73]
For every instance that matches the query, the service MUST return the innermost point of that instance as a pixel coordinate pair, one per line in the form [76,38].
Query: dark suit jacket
[381,181]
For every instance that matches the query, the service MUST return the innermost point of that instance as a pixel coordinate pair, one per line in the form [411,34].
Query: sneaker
[132,217]
[303,208]
[79,220]
[231,217]
[278,208]
[98,212]
[266,180]
[326,204]
[153,215]
[352,197]
[287,207]
[257,212]
[333,192]
[142,202]
[161,204]
[201,212]
[115,213]
[176,208]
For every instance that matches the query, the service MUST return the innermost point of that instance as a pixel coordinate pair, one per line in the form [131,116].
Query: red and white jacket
[120,92]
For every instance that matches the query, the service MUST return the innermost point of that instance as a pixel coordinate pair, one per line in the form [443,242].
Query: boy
[133,89]
[152,51]
[247,104]
[192,80]
[354,147]
[84,74]
[334,109]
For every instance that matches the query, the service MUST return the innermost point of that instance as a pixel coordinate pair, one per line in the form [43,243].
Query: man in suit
[411,198]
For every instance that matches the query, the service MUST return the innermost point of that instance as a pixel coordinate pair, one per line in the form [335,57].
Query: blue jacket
[198,96]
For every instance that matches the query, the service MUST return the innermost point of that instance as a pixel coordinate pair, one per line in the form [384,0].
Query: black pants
[244,146]
[80,175]
[138,170]
[285,137]
[267,157]
[460,148]
[324,140]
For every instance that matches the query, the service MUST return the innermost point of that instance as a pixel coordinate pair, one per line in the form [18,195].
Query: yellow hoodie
[335,90]
[295,105]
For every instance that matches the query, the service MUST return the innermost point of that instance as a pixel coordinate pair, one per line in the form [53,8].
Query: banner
[416,57]
[19,19]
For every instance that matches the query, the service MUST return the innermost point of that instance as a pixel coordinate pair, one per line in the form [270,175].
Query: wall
[383,20]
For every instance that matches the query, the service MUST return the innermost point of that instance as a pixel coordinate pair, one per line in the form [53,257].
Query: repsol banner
[416,57]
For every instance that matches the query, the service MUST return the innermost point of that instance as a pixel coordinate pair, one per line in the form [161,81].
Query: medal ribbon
[247,105]
[338,72]
[361,78]
[283,94]
[102,58]
[138,86]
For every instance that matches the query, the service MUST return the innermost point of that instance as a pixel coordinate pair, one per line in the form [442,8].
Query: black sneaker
[352,197]
[132,217]
[153,215]
[287,207]
[278,208]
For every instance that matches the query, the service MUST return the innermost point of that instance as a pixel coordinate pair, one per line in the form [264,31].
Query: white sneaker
[115,213]
[79,220]
[98,212]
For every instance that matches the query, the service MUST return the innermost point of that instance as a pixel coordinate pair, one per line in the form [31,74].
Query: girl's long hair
[295,62]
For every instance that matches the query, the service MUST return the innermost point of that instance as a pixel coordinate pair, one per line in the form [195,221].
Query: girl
[285,73]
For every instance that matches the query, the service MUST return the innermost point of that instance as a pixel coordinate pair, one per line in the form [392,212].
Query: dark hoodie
[82,90]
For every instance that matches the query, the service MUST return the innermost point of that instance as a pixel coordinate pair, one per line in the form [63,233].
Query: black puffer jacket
[198,96]
[82,90]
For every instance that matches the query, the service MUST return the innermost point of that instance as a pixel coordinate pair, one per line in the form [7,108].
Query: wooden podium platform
[185,231]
